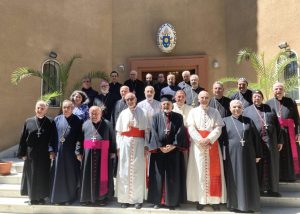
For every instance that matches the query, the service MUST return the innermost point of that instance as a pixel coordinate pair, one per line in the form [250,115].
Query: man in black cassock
[135,85]
[38,134]
[166,170]
[243,94]
[66,167]
[87,88]
[267,125]
[192,91]
[242,151]
[96,150]
[159,85]
[219,101]
[120,105]
[114,85]
[287,113]
[105,99]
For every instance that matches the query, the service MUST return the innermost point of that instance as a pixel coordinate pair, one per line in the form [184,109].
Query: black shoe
[199,206]
[42,202]
[101,203]
[156,206]
[171,208]
[87,203]
[123,205]
[138,206]
[274,194]
[33,202]
[216,207]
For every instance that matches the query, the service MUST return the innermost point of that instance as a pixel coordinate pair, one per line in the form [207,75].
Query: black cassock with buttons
[97,145]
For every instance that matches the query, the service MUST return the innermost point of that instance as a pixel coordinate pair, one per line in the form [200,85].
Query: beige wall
[199,24]
[108,32]
[29,31]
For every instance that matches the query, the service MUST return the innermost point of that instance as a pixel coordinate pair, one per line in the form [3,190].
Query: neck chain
[39,133]
[103,100]
[242,138]
[62,138]
[168,126]
[95,131]
[263,119]
[278,109]
[193,98]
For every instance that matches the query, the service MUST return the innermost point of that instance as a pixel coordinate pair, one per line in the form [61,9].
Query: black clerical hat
[166,97]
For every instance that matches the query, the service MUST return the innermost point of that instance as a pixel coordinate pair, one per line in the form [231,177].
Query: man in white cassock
[132,130]
[205,175]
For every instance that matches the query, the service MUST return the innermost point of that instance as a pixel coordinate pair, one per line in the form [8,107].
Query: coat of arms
[166,38]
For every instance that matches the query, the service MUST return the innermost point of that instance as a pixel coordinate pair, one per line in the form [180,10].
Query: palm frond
[48,97]
[291,83]
[22,73]
[243,55]
[64,70]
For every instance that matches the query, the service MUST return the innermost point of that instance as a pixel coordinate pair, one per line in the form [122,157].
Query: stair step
[288,199]
[14,178]
[10,190]
[286,187]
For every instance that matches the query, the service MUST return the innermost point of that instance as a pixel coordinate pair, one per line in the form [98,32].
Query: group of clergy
[179,146]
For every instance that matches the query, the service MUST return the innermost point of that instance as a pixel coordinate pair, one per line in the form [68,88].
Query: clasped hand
[167,148]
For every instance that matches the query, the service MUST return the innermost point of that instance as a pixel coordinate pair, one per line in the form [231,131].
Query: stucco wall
[29,31]
[199,24]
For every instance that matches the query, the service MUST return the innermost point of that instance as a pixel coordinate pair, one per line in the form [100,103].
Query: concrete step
[19,205]
[12,205]
[288,199]
[14,178]
[289,187]
[10,190]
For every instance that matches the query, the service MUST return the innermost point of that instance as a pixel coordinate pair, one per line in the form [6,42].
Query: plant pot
[5,168]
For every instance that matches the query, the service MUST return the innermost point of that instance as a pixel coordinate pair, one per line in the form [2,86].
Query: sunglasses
[130,99]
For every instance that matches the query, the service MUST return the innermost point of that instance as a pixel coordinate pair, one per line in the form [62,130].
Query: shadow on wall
[241,32]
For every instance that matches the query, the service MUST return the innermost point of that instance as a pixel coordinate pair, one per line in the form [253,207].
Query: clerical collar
[205,108]
[150,101]
[40,118]
[218,98]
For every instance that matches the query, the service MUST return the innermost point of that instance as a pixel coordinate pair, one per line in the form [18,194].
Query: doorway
[196,64]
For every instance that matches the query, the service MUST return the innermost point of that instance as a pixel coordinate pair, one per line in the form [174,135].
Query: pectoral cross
[167,131]
[93,139]
[38,133]
[242,142]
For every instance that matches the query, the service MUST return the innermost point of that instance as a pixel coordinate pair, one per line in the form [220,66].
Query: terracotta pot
[5,168]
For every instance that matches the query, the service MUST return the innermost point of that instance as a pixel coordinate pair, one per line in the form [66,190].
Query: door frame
[172,63]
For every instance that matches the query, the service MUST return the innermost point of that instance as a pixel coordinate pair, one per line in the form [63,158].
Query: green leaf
[22,73]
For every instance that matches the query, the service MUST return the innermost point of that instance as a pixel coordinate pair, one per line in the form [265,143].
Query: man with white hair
[135,85]
[243,94]
[186,79]
[132,132]
[193,91]
[105,100]
[38,134]
[287,113]
[171,88]
[205,175]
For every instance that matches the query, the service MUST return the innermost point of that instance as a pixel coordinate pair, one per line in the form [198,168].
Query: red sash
[214,168]
[134,132]
[103,145]
[289,123]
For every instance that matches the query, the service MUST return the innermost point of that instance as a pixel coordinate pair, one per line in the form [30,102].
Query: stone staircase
[12,202]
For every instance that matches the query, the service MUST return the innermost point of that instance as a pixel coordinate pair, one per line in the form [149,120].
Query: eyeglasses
[129,99]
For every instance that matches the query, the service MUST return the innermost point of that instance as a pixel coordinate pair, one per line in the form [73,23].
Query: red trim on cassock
[134,132]
[214,168]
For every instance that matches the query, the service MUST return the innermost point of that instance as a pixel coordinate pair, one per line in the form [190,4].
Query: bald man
[287,113]
[38,134]
[135,85]
[205,175]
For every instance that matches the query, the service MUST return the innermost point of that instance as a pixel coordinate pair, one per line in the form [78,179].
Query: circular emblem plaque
[166,38]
